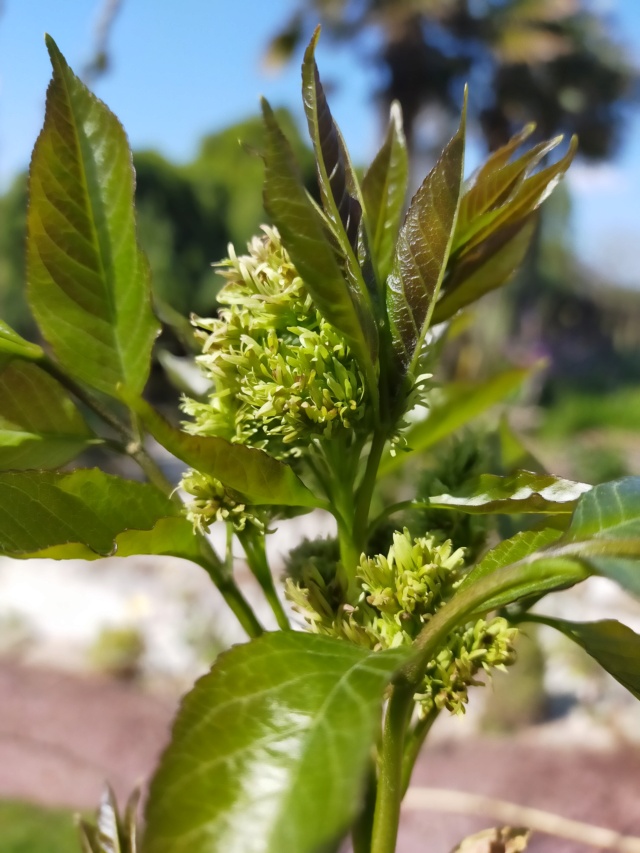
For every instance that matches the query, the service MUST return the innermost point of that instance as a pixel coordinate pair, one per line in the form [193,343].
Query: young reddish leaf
[269,750]
[251,473]
[88,281]
[304,235]
[41,509]
[384,188]
[422,252]
[336,177]
[40,427]
[489,266]
[12,344]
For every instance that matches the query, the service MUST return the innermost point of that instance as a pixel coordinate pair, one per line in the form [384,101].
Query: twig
[461,802]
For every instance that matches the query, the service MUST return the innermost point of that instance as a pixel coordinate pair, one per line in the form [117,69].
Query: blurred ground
[62,735]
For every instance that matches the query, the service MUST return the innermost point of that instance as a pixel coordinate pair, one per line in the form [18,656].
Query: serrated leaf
[512,550]
[615,646]
[422,252]
[269,749]
[42,509]
[13,345]
[488,267]
[610,510]
[169,537]
[40,427]
[250,473]
[304,235]
[520,492]
[384,188]
[88,281]
[528,197]
[336,177]
[459,404]
[494,188]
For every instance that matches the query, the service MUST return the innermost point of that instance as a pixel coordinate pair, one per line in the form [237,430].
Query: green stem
[387,812]
[366,488]
[414,744]
[254,548]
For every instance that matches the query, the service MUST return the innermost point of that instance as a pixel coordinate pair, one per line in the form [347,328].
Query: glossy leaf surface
[88,280]
[304,234]
[490,266]
[12,344]
[520,492]
[40,427]
[384,188]
[422,252]
[458,404]
[615,646]
[251,473]
[512,550]
[610,510]
[40,509]
[336,177]
[269,749]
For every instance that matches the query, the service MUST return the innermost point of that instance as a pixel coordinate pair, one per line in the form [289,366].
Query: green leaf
[625,572]
[512,550]
[12,344]
[269,749]
[459,404]
[384,188]
[169,537]
[40,427]
[251,473]
[610,510]
[40,509]
[615,646]
[304,235]
[520,492]
[488,267]
[88,281]
[336,176]
[422,252]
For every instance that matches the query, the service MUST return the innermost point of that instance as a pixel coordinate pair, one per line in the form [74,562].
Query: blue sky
[182,69]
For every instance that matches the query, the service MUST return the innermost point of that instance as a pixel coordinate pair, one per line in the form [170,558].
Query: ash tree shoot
[321,364]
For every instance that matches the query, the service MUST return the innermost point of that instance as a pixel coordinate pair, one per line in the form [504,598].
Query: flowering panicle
[400,592]
[281,373]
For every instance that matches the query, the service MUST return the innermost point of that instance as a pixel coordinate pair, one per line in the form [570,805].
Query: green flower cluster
[281,374]
[400,592]
[211,501]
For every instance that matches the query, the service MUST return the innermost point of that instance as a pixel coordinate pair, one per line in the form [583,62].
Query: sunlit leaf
[610,510]
[12,344]
[520,492]
[40,509]
[512,550]
[384,188]
[269,749]
[459,404]
[336,177]
[304,235]
[40,427]
[88,281]
[422,251]
[251,473]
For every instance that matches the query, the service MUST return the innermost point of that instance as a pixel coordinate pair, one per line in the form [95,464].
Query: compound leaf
[269,749]
[88,281]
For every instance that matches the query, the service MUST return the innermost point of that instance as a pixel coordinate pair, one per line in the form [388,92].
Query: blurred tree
[549,61]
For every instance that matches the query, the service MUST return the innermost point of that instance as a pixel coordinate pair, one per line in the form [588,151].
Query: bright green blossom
[400,592]
[281,374]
